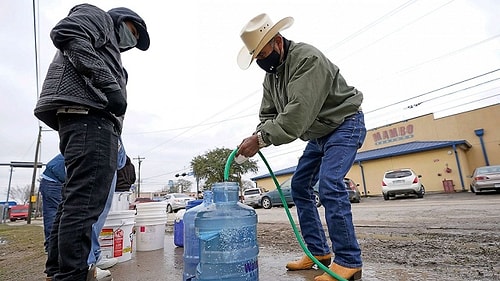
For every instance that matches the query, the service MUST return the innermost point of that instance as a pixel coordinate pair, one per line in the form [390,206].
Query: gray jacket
[87,65]
[307,98]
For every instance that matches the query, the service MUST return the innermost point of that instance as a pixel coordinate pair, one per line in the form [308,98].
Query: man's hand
[116,103]
[248,147]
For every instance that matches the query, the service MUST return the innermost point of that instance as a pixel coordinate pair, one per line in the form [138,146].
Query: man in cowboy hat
[84,98]
[306,97]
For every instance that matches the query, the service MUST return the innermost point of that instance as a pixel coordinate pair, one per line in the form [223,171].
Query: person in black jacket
[125,177]
[84,98]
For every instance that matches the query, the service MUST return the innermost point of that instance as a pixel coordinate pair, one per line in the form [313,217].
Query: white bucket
[121,201]
[150,225]
[117,234]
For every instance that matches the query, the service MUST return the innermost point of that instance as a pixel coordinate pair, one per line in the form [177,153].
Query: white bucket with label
[117,234]
[150,226]
[121,201]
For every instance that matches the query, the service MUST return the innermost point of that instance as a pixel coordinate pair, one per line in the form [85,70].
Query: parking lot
[450,236]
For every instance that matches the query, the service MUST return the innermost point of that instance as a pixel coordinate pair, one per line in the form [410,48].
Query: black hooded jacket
[87,66]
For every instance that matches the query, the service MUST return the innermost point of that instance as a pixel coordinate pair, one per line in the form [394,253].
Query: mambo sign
[393,134]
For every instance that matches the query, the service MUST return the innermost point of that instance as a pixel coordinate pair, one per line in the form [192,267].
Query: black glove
[116,103]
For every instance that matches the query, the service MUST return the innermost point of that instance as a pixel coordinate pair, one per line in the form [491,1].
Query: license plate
[497,185]
[398,181]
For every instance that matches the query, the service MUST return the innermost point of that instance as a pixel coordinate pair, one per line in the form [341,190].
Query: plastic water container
[179,228]
[179,222]
[117,234]
[191,254]
[150,226]
[228,238]
[121,201]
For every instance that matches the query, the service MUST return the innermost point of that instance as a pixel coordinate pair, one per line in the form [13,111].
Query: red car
[19,212]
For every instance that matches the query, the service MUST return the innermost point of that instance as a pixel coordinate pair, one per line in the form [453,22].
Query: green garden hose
[287,210]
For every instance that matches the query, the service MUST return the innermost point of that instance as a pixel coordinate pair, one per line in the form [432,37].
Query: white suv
[402,182]
[251,196]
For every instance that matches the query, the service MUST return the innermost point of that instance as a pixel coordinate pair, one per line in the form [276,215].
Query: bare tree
[182,185]
[21,194]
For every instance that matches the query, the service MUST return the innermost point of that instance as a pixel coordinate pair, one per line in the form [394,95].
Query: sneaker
[104,263]
[103,275]
[97,274]
[91,275]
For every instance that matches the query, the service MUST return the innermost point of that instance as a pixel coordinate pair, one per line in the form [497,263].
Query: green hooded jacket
[307,98]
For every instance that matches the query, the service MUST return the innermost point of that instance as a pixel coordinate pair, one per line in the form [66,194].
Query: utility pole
[139,159]
[35,165]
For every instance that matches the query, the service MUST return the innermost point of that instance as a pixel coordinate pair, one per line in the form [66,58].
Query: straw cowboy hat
[256,34]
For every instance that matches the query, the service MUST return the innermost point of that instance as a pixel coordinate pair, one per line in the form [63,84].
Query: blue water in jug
[228,238]
[191,242]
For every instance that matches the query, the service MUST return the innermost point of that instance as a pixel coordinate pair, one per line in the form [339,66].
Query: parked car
[19,212]
[352,188]
[272,198]
[402,182]
[252,196]
[176,201]
[485,179]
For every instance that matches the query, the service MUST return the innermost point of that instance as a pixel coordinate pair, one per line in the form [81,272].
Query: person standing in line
[125,176]
[95,256]
[306,97]
[84,98]
[52,180]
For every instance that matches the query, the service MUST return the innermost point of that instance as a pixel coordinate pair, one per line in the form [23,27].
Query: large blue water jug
[191,243]
[228,238]
[179,222]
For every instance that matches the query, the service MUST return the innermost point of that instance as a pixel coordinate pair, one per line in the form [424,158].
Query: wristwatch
[261,140]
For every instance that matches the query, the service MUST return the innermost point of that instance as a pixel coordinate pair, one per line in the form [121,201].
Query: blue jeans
[89,145]
[328,159]
[95,252]
[51,196]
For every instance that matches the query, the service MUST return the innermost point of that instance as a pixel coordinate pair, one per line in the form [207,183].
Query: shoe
[103,275]
[48,278]
[92,273]
[104,263]
[306,263]
[351,274]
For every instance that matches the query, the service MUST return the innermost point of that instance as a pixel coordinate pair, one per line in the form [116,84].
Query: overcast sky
[186,94]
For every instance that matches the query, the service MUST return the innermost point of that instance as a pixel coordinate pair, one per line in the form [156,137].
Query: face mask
[270,63]
[127,38]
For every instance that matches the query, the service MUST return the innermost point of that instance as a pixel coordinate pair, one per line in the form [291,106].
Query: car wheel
[421,193]
[266,203]
[472,189]
[386,196]
[317,202]
[169,209]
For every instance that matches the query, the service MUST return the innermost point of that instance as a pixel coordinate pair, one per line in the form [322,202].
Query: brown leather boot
[351,274]
[48,278]
[306,263]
